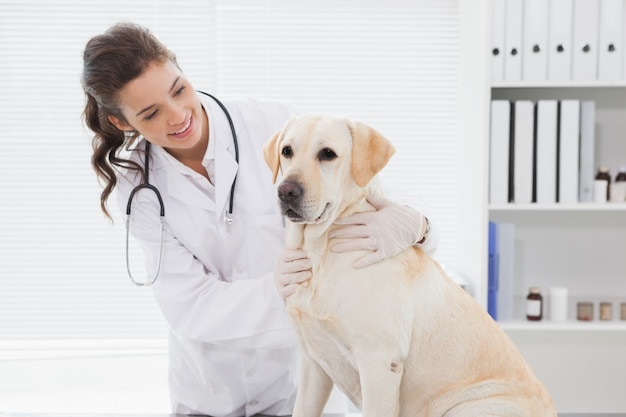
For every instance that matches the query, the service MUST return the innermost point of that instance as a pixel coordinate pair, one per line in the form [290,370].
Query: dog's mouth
[296,217]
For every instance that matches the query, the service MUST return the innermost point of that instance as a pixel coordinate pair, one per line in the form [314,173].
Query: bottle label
[533,308]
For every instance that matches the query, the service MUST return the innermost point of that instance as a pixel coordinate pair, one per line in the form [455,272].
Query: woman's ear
[119,124]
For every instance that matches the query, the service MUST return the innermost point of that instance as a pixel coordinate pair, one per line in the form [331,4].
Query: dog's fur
[399,338]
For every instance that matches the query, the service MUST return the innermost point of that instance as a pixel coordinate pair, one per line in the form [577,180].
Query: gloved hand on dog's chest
[293,267]
[385,232]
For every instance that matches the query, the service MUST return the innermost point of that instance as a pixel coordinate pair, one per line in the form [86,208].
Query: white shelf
[563,84]
[559,207]
[570,325]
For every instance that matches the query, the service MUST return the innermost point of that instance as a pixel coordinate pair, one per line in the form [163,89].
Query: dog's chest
[318,309]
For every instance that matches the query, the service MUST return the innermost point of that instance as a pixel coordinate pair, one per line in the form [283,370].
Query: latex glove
[385,232]
[292,268]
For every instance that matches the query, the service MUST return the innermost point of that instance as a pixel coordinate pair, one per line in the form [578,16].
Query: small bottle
[618,188]
[603,174]
[534,304]
[606,311]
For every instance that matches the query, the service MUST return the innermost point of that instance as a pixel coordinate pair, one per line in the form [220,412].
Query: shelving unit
[579,246]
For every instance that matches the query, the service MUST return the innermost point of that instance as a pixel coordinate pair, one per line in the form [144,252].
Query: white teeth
[184,128]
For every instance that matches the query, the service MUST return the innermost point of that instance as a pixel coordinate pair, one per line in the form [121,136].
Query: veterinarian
[219,266]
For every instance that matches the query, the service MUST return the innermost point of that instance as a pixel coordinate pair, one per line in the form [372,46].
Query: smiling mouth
[184,129]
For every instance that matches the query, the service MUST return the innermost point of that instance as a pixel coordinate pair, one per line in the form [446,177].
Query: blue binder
[492,276]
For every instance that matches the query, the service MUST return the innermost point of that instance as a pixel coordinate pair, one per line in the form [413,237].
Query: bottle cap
[535,290]
[603,169]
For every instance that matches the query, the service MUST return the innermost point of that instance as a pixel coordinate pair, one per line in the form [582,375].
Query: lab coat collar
[177,176]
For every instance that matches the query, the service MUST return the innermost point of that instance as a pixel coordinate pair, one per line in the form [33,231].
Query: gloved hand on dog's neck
[389,230]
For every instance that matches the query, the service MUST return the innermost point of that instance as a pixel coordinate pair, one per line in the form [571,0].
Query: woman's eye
[287,152]
[179,91]
[151,115]
[326,154]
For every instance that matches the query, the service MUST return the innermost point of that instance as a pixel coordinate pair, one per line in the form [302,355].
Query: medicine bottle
[621,175]
[534,304]
[603,174]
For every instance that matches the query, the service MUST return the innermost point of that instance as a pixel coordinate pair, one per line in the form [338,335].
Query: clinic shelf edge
[569,325]
[577,207]
[562,84]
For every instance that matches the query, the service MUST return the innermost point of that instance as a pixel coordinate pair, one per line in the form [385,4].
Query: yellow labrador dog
[399,338]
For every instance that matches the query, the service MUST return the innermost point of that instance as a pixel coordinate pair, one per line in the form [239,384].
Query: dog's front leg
[380,377]
[314,389]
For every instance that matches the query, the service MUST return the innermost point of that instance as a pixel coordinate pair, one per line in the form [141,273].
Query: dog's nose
[289,191]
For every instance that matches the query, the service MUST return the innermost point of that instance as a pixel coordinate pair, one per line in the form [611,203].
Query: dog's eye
[326,154]
[287,152]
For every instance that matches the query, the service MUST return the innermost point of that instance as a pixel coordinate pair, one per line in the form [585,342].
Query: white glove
[386,232]
[293,267]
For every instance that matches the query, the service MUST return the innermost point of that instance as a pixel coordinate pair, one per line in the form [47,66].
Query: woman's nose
[177,114]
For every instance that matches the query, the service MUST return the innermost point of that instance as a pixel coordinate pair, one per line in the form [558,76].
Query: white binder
[535,40]
[513,40]
[587,151]
[497,40]
[546,151]
[569,128]
[611,42]
[585,54]
[523,151]
[560,42]
[499,152]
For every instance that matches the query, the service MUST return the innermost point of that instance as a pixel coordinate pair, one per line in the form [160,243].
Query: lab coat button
[253,403]
[250,372]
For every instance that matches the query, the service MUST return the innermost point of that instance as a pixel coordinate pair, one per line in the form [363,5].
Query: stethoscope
[228,216]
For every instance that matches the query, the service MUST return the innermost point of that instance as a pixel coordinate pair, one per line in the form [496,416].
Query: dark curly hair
[110,61]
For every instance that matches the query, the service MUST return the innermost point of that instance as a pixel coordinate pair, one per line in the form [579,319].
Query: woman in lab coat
[221,285]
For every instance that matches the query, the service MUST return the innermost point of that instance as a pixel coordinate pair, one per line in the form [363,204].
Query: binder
[611,41]
[569,128]
[546,115]
[513,40]
[585,54]
[497,40]
[587,151]
[535,40]
[505,253]
[492,273]
[523,151]
[499,152]
[560,42]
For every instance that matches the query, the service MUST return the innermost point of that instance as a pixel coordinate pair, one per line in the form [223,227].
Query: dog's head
[325,161]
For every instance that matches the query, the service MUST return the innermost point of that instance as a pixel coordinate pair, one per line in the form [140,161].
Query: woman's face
[162,106]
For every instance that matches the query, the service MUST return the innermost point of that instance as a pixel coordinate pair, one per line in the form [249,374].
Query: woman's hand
[293,267]
[385,232]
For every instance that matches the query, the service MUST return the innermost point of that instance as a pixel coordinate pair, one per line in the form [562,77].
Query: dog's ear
[370,152]
[271,152]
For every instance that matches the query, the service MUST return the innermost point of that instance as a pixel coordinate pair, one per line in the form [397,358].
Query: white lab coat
[232,351]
